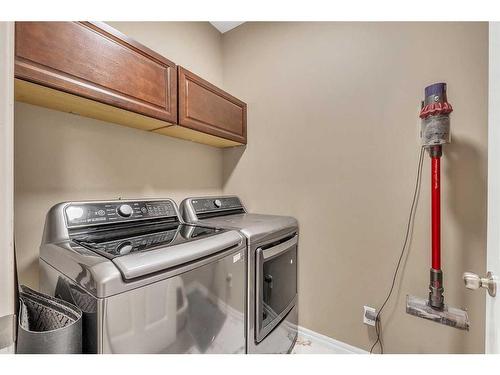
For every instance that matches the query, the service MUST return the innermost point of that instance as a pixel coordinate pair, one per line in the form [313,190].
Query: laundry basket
[47,325]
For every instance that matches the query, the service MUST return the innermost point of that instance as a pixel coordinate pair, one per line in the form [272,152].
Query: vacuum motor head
[435,115]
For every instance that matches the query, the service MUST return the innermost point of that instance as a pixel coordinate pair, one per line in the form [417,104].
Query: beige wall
[59,156]
[333,140]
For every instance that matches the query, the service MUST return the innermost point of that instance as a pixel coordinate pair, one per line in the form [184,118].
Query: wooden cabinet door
[95,61]
[208,109]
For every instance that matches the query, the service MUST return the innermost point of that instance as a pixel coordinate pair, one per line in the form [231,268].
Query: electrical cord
[378,326]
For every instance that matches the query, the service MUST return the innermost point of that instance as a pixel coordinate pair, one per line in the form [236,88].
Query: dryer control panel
[215,204]
[95,213]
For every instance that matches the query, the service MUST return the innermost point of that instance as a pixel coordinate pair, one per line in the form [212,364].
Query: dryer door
[276,289]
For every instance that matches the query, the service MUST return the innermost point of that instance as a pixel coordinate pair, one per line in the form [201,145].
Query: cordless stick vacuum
[435,132]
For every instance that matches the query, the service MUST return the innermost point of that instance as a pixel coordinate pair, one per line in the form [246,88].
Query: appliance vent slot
[127,225]
[281,240]
[206,215]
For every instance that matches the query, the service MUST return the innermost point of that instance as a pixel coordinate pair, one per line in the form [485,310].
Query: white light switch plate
[369,315]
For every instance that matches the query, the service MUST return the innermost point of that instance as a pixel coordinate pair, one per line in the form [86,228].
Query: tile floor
[307,345]
[309,342]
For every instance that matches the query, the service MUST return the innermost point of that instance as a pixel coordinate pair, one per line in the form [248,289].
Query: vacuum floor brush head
[450,316]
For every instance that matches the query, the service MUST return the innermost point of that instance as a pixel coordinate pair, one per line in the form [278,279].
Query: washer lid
[144,263]
[144,249]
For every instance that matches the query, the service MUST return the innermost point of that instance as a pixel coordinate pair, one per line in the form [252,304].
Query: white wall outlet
[369,315]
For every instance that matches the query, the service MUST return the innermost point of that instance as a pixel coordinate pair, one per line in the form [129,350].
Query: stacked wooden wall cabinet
[91,69]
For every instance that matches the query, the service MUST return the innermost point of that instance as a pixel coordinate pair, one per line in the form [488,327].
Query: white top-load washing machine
[146,281]
[272,241]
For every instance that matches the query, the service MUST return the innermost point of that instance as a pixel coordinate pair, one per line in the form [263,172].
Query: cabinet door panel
[97,62]
[206,108]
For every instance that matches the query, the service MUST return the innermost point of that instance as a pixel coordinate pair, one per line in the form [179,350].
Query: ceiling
[225,26]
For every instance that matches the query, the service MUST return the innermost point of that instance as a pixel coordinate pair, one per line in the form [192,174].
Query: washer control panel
[89,213]
[216,204]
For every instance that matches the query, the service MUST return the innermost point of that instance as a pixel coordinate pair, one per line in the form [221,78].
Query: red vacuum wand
[436,298]
[435,133]
[436,210]
[435,115]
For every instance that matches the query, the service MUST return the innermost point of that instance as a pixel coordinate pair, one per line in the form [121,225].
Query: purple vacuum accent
[436,89]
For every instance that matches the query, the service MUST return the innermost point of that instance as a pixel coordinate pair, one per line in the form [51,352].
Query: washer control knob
[217,203]
[125,210]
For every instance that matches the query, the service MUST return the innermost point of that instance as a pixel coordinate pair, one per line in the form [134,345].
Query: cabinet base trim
[42,96]
[32,93]
[178,131]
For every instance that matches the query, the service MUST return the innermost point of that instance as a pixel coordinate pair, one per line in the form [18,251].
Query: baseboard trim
[8,350]
[337,347]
